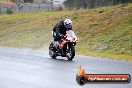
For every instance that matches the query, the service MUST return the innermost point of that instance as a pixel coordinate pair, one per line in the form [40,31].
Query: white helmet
[68,23]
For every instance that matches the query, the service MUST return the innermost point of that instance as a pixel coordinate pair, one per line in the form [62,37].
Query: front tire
[70,52]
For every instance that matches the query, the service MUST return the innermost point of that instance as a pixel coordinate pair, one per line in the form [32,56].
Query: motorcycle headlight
[69,38]
[75,39]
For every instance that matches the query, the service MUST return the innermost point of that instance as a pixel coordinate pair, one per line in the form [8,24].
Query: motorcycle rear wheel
[51,51]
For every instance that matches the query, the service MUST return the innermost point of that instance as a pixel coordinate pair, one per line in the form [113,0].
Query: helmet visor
[68,25]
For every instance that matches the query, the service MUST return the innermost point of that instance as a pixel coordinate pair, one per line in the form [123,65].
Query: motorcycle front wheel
[70,51]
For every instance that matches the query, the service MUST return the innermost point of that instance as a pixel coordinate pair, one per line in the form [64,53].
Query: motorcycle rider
[60,31]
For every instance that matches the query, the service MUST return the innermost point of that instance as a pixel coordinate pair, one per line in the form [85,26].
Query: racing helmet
[68,23]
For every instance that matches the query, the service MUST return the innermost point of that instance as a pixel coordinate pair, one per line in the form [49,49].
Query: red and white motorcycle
[66,44]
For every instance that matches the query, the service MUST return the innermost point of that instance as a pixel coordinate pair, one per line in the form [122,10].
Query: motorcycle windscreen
[71,33]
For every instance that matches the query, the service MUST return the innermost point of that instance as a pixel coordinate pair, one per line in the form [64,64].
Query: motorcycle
[65,45]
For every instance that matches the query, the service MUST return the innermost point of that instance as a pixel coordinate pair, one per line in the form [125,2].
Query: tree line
[22,1]
[92,3]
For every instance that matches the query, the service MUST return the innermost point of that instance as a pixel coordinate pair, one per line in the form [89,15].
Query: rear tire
[70,52]
[51,51]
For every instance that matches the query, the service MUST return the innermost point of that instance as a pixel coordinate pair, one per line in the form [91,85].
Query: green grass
[30,30]
[4,0]
[107,34]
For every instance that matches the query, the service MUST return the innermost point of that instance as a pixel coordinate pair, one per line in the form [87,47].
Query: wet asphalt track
[23,68]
